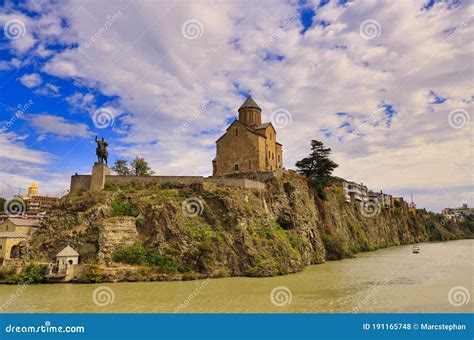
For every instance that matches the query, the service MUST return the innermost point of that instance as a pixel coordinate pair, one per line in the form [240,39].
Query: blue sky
[385,85]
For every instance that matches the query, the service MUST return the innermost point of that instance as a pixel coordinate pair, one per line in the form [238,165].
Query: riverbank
[137,232]
[391,280]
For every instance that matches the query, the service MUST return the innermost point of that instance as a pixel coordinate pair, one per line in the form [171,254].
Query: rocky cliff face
[223,231]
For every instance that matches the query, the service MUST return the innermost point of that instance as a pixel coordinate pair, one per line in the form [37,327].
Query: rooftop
[25,222]
[68,251]
[249,103]
[12,234]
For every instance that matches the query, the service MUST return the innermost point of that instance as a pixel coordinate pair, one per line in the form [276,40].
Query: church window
[278,158]
[250,164]
[273,155]
[236,167]
[270,136]
[236,132]
[268,154]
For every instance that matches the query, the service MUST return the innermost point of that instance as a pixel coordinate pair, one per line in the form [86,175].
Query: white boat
[416,249]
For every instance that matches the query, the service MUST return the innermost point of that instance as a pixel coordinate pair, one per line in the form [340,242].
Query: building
[458,214]
[389,203]
[247,145]
[400,203]
[36,203]
[33,190]
[355,192]
[412,206]
[14,230]
[64,268]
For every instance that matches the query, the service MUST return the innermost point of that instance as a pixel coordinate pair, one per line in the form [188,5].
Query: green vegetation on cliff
[138,254]
[137,231]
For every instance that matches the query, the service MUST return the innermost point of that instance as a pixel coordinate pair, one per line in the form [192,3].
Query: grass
[145,256]
[124,208]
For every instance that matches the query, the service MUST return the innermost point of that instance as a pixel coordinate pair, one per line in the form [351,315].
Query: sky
[386,84]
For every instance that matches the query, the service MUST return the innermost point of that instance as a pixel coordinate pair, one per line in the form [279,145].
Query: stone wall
[236,182]
[184,180]
[80,183]
[98,179]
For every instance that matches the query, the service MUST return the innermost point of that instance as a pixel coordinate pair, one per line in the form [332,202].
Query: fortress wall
[80,182]
[84,182]
[236,182]
[184,180]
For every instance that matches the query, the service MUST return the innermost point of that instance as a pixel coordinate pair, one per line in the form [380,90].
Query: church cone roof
[249,103]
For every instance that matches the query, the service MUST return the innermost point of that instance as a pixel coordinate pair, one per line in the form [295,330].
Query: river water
[438,279]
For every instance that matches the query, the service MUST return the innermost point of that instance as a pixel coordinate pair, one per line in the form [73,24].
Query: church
[248,145]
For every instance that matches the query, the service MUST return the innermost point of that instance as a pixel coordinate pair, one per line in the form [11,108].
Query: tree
[121,167]
[317,167]
[2,205]
[140,167]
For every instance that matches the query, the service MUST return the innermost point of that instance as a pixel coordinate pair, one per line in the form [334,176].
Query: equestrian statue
[101,150]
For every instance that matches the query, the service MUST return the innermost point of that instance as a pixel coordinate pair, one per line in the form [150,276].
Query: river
[438,279]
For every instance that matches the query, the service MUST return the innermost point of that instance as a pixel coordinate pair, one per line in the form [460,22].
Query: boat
[416,249]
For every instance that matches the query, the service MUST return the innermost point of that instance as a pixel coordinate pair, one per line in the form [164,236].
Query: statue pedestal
[99,171]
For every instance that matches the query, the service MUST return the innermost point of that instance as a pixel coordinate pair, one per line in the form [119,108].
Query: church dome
[33,186]
[249,103]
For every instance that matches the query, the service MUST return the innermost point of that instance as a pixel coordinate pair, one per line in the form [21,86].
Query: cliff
[138,231]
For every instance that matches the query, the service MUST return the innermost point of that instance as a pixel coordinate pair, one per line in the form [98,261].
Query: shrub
[93,272]
[124,208]
[6,274]
[145,256]
[110,186]
[34,272]
[336,248]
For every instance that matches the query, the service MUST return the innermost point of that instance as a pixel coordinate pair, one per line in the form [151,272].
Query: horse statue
[101,151]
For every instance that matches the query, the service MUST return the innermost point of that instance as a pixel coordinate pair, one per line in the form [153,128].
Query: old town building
[248,145]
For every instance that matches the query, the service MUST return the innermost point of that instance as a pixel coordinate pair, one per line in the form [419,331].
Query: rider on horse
[101,150]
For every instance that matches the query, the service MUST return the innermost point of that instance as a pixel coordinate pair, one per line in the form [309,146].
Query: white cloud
[31,80]
[58,126]
[161,79]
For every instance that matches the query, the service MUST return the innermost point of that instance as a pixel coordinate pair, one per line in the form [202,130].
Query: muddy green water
[388,280]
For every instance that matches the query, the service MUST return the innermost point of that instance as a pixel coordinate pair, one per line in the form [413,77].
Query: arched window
[236,132]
